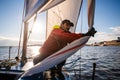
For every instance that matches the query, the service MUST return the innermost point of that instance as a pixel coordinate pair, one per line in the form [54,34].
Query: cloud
[106,36]
[115,29]
[103,36]
[8,41]
[7,38]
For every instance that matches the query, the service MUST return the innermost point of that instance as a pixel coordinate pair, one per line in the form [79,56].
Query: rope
[17,57]
[58,14]
[20,52]
[73,62]
[20,40]
[80,49]
[32,27]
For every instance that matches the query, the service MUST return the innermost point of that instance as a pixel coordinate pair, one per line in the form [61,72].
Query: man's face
[66,26]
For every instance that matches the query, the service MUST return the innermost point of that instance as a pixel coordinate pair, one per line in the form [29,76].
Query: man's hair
[68,22]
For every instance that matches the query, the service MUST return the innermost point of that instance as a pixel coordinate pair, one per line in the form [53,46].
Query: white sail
[29,5]
[33,6]
[91,10]
[69,9]
[50,4]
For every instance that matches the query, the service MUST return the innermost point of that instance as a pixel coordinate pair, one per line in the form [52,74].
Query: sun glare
[35,50]
[38,27]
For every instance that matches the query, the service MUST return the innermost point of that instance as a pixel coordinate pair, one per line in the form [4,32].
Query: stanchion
[94,66]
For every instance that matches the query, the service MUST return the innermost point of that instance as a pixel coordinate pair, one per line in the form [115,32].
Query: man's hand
[91,32]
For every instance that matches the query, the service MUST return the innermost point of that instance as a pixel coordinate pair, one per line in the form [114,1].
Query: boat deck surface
[28,65]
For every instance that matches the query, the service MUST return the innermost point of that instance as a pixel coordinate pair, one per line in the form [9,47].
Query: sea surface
[80,65]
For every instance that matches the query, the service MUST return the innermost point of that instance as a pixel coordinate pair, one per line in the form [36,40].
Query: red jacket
[57,40]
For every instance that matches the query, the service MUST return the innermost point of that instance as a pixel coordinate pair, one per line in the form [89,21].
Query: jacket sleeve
[66,36]
[69,37]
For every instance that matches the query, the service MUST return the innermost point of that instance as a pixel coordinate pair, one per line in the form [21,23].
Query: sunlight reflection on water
[33,51]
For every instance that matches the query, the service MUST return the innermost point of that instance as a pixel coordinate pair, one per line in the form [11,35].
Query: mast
[25,34]
[24,51]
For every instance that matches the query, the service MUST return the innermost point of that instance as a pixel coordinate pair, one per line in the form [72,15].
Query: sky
[106,22]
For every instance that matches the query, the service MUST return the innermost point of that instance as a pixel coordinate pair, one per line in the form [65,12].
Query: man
[59,38]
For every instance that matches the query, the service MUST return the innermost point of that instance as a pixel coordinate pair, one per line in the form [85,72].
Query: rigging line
[73,62]
[32,27]
[58,15]
[20,33]
[81,32]
[30,31]
[20,41]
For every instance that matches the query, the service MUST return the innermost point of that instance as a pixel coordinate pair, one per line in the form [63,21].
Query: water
[4,52]
[107,59]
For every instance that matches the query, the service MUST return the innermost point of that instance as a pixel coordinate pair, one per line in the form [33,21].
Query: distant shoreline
[103,43]
[106,43]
